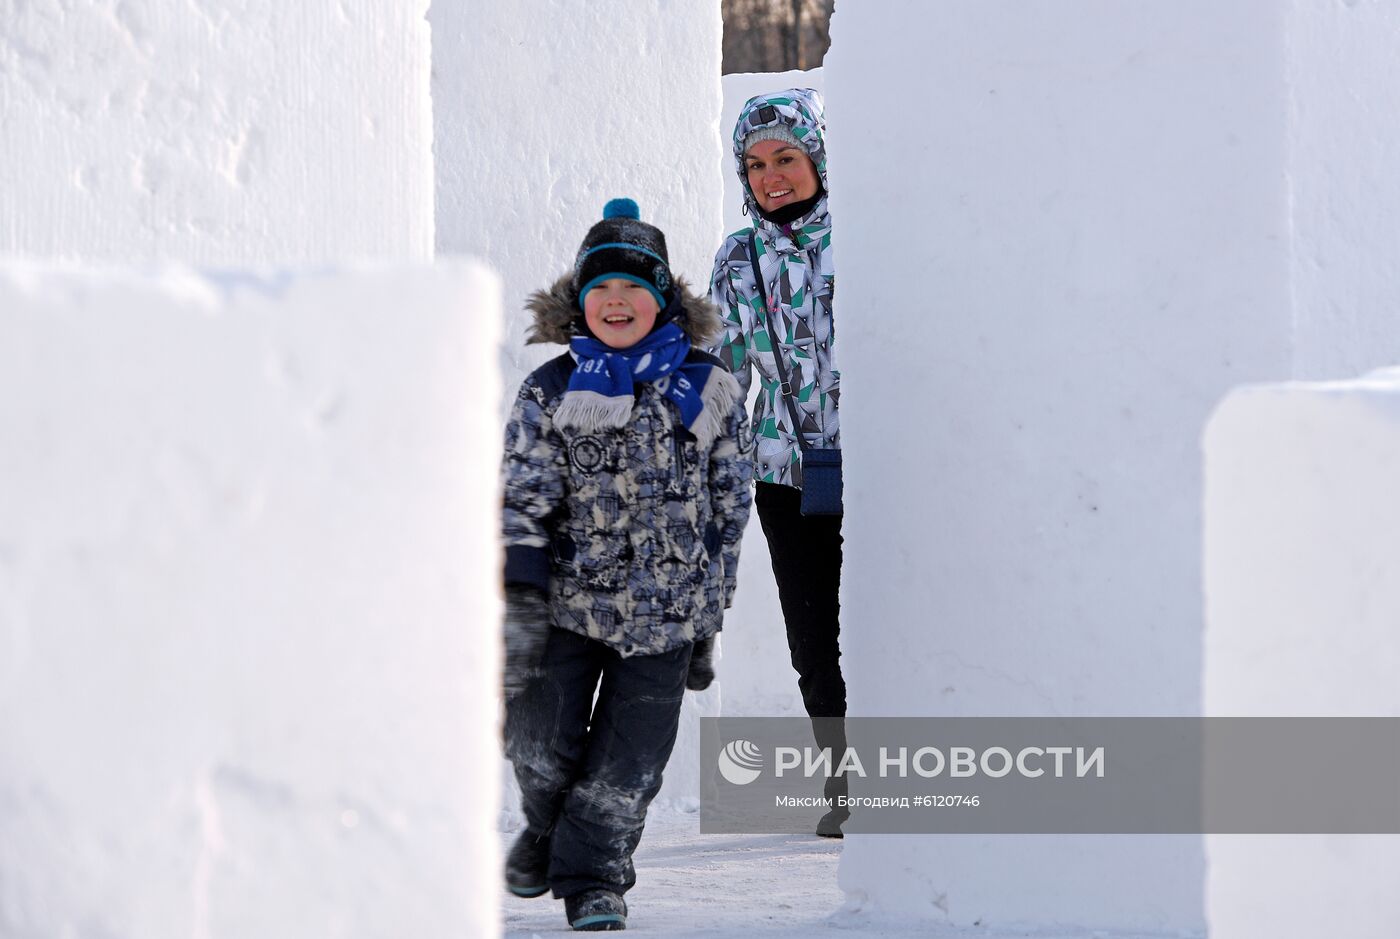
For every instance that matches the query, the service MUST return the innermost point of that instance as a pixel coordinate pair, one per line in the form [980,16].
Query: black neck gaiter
[787,214]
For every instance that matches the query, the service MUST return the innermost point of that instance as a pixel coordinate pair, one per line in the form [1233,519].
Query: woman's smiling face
[779,174]
[620,312]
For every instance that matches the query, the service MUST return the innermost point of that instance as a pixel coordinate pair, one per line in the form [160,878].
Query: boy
[626,495]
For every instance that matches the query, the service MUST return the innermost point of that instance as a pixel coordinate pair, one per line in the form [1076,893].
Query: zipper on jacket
[679,447]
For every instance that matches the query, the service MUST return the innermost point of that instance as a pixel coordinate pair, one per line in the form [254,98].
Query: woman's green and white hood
[801,111]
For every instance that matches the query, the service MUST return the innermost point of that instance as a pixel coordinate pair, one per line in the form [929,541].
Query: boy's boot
[596,910]
[527,865]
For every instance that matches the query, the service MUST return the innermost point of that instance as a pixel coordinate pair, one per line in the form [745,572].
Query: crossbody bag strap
[785,388]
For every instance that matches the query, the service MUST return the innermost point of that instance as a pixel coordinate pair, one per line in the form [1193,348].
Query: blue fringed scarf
[600,392]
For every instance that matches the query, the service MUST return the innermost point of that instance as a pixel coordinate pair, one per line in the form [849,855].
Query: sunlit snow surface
[735,886]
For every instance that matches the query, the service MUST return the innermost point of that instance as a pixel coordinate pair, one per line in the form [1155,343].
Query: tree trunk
[796,56]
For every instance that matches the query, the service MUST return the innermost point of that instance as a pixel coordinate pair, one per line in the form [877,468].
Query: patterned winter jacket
[798,273]
[633,533]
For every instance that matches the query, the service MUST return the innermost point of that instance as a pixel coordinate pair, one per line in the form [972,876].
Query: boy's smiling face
[620,312]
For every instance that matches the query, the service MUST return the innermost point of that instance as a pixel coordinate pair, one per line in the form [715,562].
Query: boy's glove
[526,632]
[702,665]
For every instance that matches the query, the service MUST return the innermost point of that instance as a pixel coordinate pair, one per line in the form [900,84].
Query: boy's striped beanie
[622,245]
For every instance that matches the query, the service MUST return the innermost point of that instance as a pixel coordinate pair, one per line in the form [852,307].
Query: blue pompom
[621,208]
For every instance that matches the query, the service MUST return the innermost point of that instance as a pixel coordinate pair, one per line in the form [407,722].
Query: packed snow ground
[736,886]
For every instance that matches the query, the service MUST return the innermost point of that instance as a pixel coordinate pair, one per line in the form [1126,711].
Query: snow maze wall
[247,595]
[1060,265]
[247,580]
[1302,580]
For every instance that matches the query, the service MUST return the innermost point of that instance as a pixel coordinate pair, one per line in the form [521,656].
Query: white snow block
[216,133]
[1344,79]
[1302,581]
[249,600]
[1060,240]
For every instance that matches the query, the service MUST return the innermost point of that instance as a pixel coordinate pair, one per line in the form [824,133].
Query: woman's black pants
[806,553]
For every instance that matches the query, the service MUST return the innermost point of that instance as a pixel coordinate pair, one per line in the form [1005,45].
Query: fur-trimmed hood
[556,310]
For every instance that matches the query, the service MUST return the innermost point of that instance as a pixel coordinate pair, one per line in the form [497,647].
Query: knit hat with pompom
[622,245]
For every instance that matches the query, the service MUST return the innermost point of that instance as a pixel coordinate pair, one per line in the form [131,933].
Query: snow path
[691,885]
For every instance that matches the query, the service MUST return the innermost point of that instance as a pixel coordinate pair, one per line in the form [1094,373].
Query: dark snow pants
[588,772]
[806,554]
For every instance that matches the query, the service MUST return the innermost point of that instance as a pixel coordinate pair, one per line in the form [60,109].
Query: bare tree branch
[775,35]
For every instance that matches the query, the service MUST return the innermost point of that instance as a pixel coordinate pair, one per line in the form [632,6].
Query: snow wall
[1302,581]
[216,133]
[1344,79]
[536,128]
[1062,241]
[247,542]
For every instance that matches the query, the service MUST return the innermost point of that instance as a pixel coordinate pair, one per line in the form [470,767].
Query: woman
[781,158]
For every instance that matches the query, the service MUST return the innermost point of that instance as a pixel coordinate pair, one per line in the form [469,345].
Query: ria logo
[740,762]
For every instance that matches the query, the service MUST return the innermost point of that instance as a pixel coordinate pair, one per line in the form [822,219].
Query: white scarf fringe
[590,411]
[719,394]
